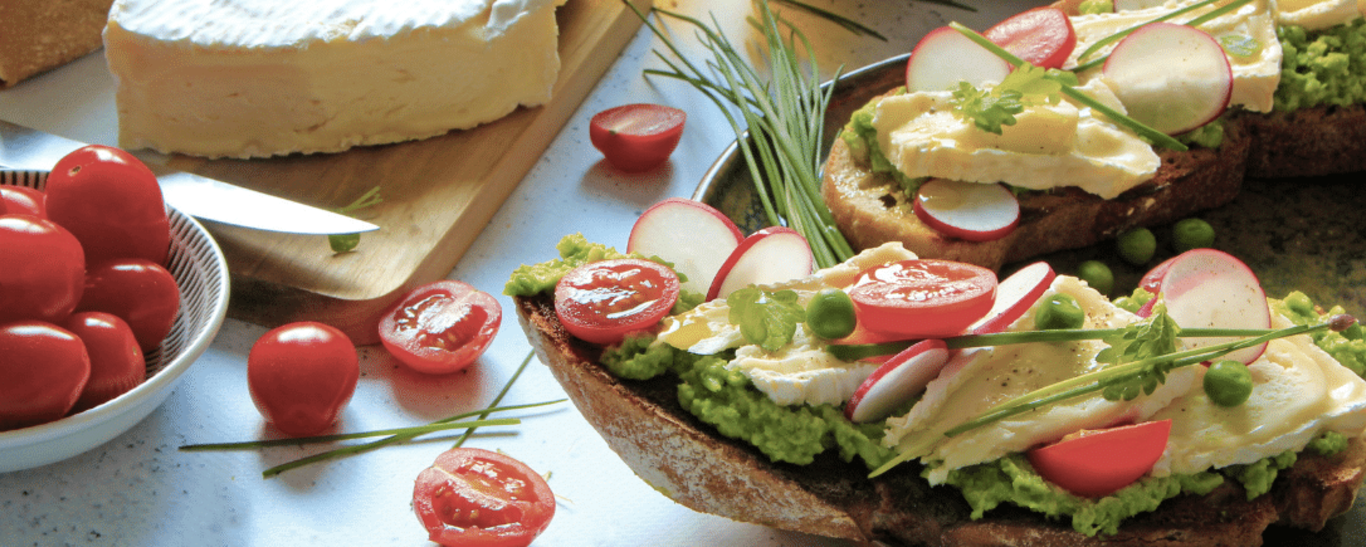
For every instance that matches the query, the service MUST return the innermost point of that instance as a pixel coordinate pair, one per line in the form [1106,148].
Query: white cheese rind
[1050,146]
[253,78]
[1318,14]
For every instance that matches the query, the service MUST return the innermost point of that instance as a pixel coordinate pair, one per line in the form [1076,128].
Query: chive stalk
[1217,12]
[778,122]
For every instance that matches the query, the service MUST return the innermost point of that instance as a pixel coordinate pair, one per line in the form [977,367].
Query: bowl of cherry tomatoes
[200,275]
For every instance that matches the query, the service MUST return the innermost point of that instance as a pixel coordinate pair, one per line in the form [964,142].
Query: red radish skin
[771,255]
[897,380]
[1015,295]
[1174,78]
[967,210]
[1210,288]
[945,57]
[692,235]
[1042,36]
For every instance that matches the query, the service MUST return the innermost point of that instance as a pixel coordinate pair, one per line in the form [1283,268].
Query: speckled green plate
[1296,234]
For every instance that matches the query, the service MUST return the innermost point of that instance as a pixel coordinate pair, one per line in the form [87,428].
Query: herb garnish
[1153,135]
[345,243]
[391,436]
[1027,85]
[766,319]
[783,121]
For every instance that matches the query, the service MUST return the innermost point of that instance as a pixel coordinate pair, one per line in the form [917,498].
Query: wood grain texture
[438,193]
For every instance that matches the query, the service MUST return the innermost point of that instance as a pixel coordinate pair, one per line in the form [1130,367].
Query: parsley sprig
[766,319]
[1027,85]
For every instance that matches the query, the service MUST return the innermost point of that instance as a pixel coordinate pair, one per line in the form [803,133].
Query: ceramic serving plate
[1296,234]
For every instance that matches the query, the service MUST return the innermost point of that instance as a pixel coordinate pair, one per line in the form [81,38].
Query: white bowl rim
[167,375]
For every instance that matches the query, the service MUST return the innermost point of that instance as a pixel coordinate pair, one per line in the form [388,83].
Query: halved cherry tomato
[42,269]
[42,372]
[601,302]
[140,292]
[1041,36]
[472,497]
[301,376]
[923,298]
[24,200]
[441,327]
[637,137]
[111,201]
[1097,463]
[116,363]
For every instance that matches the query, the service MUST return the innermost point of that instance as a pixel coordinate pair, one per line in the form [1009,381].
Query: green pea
[1191,233]
[830,314]
[1137,246]
[1228,383]
[1096,274]
[1059,311]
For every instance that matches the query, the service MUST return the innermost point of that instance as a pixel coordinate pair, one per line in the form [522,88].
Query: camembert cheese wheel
[256,78]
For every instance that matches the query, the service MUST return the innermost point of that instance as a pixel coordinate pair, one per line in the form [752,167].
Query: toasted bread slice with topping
[687,461]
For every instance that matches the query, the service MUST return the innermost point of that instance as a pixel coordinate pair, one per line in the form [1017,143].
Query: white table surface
[138,489]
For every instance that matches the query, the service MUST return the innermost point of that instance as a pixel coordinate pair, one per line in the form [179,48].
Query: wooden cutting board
[438,195]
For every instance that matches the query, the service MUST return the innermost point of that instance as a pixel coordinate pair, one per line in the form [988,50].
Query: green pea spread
[725,399]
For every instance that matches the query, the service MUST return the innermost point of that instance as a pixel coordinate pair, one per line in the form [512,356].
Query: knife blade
[198,196]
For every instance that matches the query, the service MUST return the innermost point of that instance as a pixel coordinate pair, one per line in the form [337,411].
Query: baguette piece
[685,460]
[38,35]
[871,209]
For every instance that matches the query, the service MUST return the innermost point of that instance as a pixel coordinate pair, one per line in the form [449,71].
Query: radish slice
[896,381]
[945,57]
[1014,296]
[1152,281]
[692,235]
[1171,77]
[1209,288]
[770,255]
[1041,36]
[968,210]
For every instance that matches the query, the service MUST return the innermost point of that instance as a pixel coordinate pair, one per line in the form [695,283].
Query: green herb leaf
[1239,45]
[345,243]
[1147,342]
[768,320]
[987,110]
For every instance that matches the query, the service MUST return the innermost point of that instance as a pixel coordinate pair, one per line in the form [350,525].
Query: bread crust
[1308,142]
[683,459]
[871,209]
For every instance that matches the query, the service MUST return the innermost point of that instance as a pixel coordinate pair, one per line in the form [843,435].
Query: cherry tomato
[111,201]
[923,298]
[476,498]
[42,270]
[1097,463]
[301,376]
[116,362]
[24,200]
[42,372]
[601,302]
[637,137]
[441,327]
[1042,36]
[140,292]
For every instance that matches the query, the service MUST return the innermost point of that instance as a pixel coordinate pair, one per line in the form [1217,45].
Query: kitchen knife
[194,195]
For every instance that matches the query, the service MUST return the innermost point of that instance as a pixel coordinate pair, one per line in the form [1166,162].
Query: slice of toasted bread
[1320,140]
[871,209]
[685,460]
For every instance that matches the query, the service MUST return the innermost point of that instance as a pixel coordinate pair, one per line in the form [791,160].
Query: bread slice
[685,460]
[1315,141]
[38,35]
[871,208]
